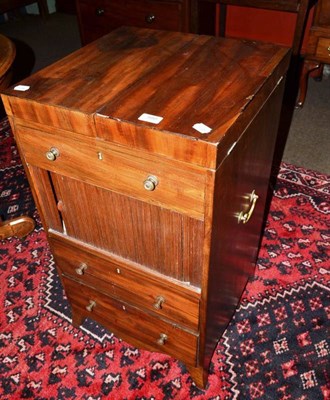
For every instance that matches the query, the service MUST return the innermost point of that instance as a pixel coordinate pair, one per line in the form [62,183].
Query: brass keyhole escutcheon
[81,269]
[162,339]
[91,305]
[245,216]
[160,300]
[52,154]
[150,183]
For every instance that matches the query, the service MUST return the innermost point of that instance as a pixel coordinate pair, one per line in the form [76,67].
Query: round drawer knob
[99,11]
[91,305]
[150,18]
[160,300]
[150,183]
[162,339]
[81,269]
[52,154]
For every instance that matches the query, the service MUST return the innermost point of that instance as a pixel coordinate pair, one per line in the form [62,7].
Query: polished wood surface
[167,259]
[318,51]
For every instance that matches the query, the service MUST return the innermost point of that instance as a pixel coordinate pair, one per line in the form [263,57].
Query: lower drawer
[131,324]
[148,291]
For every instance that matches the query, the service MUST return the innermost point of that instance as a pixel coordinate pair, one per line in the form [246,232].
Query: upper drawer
[170,184]
[128,283]
[110,14]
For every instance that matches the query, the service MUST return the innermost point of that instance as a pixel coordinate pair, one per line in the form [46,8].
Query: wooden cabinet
[149,154]
[96,18]
[318,50]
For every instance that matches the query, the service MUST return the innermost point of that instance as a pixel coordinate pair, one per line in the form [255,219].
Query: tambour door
[158,238]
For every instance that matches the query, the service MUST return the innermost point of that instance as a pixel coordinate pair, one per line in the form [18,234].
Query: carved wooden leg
[308,67]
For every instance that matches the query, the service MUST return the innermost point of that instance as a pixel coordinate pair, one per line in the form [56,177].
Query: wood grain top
[185,79]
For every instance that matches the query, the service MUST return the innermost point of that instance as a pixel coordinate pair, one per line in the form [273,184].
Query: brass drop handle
[150,18]
[99,11]
[162,339]
[52,154]
[160,300]
[91,305]
[150,183]
[81,269]
[245,216]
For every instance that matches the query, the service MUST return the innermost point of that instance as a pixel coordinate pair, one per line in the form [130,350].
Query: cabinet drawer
[107,15]
[128,283]
[170,184]
[323,49]
[131,324]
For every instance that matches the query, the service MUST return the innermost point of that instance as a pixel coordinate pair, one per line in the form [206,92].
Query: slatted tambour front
[153,221]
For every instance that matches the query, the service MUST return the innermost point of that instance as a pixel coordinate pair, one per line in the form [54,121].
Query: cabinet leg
[308,67]
[77,318]
[43,8]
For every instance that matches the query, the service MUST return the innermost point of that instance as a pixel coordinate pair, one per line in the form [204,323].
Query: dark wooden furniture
[98,17]
[9,5]
[318,50]
[7,57]
[149,155]
[298,7]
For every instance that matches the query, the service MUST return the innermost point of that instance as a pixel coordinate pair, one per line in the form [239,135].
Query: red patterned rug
[276,347]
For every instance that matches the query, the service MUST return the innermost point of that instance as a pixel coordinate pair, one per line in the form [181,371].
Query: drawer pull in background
[150,18]
[81,269]
[150,183]
[245,216]
[99,11]
[162,339]
[52,154]
[160,300]
[91,305]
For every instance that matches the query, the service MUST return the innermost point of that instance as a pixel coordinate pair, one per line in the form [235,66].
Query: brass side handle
[81,269]
[150,18]
[162,339]
[245,216]
[52,154]
[150,183]
[160,300]
[91,305]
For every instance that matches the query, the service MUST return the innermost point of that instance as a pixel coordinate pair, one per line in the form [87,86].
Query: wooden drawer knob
[52,154]
[150,183]
[91,305]
[81,269]
[99,11]
[150,18]
[162,339]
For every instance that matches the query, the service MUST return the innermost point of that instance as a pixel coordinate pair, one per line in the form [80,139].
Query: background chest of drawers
[96,18]
[149,155]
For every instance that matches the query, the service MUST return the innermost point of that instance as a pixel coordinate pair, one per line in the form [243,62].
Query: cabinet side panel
[235,245]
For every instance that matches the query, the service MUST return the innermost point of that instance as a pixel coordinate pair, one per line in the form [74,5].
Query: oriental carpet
[276,347]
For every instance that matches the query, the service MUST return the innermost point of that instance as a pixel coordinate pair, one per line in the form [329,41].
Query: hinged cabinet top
[189,87]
